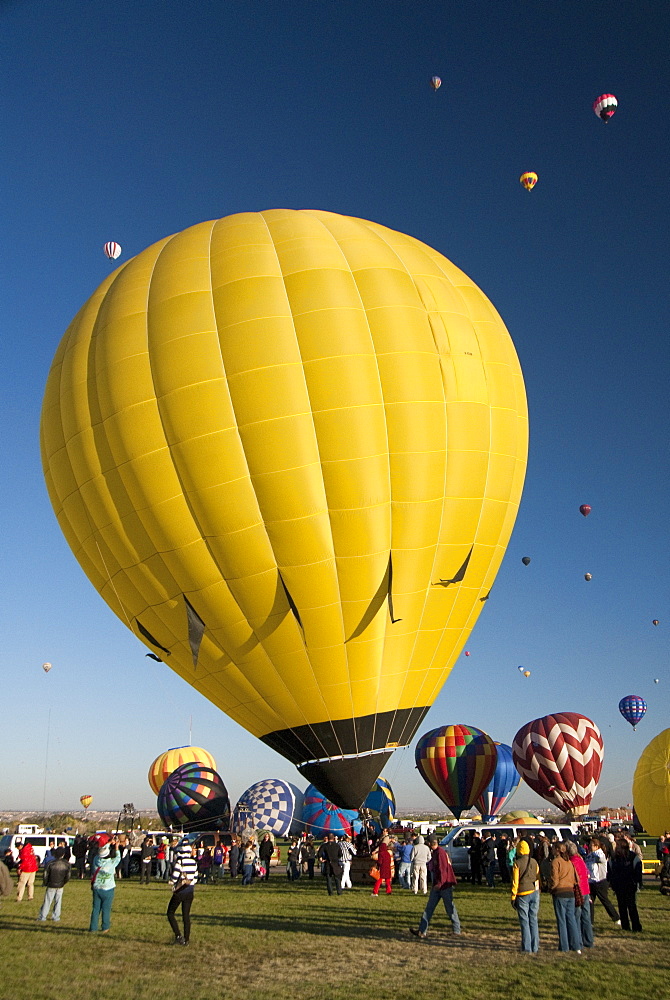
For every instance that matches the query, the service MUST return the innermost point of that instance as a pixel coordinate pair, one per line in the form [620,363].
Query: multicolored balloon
[379,805]
[633,709]
[435,82]
[319,816]
[561,756]
[585,509]
[112,250]
[654,622]
[528,180]
[272,804]
[194,797]
[519,817]
[605,106]
[651,785]
[86,800]
[169,760]
[502,786]
[457,762]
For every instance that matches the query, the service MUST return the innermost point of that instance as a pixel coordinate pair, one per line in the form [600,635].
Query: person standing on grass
[6,883]
[329,854]
[79,849]
[624,872]
[526,896]
[184,878]
[419,867]
[249,855]
[265,851]
[56,876]
[583,912]
[442,888]
[28,865]
[103,884]
[347,853]
[146,857]
[309,854]
[234,857]
[489,860]
[384,858]
[596,865]
[562,881]
[475,853]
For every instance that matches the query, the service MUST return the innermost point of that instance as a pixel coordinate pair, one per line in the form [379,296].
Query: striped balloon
[605,106]
[458,762]
[502,786]
[272,804]
[319,816]
[194,798]
[561,756]
[166,762]
[633,708]
[112,250]
[379,805]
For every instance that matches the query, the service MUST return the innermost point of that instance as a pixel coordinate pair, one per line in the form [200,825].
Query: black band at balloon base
[348,781]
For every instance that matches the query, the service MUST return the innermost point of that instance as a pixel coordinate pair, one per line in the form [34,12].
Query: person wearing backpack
[526,896]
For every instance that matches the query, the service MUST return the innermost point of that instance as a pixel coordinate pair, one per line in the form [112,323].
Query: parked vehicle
[40,842]
[457,842]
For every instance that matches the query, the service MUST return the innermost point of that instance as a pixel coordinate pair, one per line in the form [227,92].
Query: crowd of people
[575,875]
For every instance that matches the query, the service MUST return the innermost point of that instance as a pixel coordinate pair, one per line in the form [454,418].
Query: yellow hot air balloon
[288,449]
[170,760]
[86,801]
[528,180]
[651,785]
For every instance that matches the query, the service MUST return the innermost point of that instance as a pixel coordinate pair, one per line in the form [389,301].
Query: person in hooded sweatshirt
[184,878]
[420,857]
[28,865]
[56,876]
[526,895]
[103,882]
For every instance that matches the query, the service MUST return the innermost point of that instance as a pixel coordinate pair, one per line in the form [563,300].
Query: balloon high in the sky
[288,448]
[170,760]
[585,509]
[528,180]
[651,785]
[633,708]
[272,804]
[86,801]
[46,667]
[502,785]
[112,250]
[194,797]
[605,106]
[655,622]
[587,577]
[525,560]
[435,82]
[457,762]
[561,756]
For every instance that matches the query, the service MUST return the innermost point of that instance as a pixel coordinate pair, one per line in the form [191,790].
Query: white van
[40,842]
[457,842]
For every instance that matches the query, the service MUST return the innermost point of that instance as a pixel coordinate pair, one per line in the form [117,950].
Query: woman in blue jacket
[103,881]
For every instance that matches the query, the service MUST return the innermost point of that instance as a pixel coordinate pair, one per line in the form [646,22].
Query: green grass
[282,941]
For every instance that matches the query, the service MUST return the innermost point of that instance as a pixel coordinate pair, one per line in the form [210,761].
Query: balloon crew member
[184,878]
[444,881]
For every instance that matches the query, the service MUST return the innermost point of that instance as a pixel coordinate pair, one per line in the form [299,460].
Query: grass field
[291,940]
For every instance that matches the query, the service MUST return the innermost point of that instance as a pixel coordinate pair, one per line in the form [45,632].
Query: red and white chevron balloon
[561,756]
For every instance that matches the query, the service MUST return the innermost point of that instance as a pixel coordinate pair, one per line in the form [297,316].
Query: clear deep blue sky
[131,121]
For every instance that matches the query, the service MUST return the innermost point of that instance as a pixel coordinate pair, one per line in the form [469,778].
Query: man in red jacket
[28,865]
[444,881]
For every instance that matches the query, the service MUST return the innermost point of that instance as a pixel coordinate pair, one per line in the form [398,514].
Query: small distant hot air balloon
[655,622]
[585,509]
[112,250]
[521,669]
[457,762]
[656,679]
[46,667]
[86,801]
[587,576]
[526,673]
[435,82]
[467,653]
[633,708]
[525,560]
[528,180]
[605,106]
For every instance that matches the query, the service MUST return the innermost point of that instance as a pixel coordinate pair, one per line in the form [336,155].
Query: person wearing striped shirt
[184,877]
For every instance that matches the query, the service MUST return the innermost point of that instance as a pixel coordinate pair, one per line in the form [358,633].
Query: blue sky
[132,121]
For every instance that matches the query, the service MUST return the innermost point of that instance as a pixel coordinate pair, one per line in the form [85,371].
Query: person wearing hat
[103,873]
[526,896]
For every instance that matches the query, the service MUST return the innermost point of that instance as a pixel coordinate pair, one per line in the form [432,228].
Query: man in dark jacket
[443,882]
[489,861]
[475,853]
[56,875]
[330,855]
[80,850]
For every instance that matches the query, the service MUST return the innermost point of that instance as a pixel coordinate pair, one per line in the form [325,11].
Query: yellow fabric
[651,785]
[301,392]
[522,849]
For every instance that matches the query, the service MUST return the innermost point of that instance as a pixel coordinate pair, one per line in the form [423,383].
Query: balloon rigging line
[46,763]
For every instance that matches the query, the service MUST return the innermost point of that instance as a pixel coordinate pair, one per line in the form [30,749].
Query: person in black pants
[265,851]
[80,850]
[624,873]
[475,853]
[330,856]
[184,878]
[146,857]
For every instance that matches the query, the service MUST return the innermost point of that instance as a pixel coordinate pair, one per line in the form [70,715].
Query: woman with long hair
[562,880]
[184,878]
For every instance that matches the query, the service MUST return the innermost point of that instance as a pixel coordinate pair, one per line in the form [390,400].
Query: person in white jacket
[419,871]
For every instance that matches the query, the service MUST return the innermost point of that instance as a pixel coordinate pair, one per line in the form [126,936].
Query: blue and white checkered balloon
[272,804]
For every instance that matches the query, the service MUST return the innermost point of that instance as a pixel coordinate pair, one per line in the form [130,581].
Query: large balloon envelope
[272,804]
[457,762]
[288,450]
[561,756]
[633,709]
[651,785]
[194,797]
[169,760]
[502,785]
[320,816]
[379,805]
